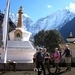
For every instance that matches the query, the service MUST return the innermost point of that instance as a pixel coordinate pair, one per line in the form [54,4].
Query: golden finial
[21,8]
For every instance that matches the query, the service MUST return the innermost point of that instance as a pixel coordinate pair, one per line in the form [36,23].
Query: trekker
[56,56]
[68,54]
[47,59]
[39,62]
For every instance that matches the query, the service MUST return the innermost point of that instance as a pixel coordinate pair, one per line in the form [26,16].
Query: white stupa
[19,48]
[71,38]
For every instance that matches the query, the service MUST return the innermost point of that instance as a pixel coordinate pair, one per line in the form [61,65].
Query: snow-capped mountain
[26,20]
[55,20]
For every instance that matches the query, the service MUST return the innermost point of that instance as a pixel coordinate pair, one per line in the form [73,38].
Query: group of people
[43,59]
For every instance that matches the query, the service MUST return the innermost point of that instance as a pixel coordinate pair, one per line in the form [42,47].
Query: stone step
[19,44]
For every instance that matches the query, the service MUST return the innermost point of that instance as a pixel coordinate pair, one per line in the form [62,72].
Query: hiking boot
[67,69]
[59,70]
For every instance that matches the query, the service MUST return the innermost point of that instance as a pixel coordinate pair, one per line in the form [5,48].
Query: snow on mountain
[26,20]
[55,20]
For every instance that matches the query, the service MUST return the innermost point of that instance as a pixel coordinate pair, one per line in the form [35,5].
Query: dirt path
[62,72]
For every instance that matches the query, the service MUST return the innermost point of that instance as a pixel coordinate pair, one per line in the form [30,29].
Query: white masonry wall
[20,56]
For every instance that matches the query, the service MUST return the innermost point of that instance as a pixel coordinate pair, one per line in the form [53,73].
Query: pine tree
[49,39]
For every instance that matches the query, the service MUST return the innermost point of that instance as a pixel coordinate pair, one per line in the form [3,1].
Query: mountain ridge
[56,20]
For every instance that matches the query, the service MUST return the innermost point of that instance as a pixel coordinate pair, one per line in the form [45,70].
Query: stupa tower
[71,38]
[19,46]
[20,17]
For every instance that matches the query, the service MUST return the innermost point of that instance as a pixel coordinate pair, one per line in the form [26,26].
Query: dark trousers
[48,67]
[57,67]
[40,64]
[12,65]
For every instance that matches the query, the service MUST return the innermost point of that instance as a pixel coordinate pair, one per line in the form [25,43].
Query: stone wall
[20,66]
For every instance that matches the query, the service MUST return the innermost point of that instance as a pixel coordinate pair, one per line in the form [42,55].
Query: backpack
[46,57]
[56,54]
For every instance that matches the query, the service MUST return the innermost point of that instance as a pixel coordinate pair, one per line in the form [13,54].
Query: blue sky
[38,8]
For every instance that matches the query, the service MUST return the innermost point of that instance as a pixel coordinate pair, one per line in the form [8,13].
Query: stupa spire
[20,17]
[71,35]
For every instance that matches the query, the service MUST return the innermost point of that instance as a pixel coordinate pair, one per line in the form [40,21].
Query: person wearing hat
[47,59]
[68,54]
[56,56]
[39,62]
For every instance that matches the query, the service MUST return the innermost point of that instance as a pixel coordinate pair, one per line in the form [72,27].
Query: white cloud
[49,6]
[71,7]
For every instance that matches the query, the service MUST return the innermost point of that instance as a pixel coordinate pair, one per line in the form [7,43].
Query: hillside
[11,25]
[67,28]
